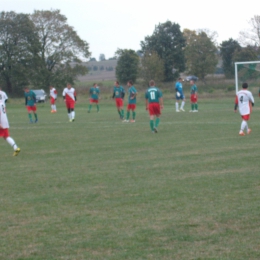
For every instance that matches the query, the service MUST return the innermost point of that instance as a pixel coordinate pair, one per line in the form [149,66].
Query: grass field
[102,189]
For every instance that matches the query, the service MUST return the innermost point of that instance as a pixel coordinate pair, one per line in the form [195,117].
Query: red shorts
[70,104]
[246,117]
[94,100]
[131,107]
[52,101]
[154,109]
[4,132]
[193,98]
[119,102]
[31,108]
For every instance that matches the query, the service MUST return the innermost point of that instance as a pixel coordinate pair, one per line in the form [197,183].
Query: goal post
[247,71]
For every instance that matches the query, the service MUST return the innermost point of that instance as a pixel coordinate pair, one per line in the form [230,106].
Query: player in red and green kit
[131,102]
[30,100]
[193,97]
[94,97]
[118,95]
[154,103]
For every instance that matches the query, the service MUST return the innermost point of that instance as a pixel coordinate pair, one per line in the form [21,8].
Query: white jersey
[243,99]
[69,94]
[53,93]
[3,117]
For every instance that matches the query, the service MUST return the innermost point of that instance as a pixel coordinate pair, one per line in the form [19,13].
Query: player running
[179,95]
[94,97]
[69,97]
[119,94]
[154,103]
[193,97]
[4,124]
[132,93]
[53,97]
[244,101]
[30,103]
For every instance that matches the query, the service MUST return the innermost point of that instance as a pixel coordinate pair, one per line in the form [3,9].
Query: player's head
[95,84]
[26,89]
[192,82]
[116,83]
[245,85]
[129,83]
[68,85]
[180,79]
[151,83]
[51,87]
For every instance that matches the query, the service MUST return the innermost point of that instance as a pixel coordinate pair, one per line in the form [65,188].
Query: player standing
[244,101]
[69,97]
[132,93]
[53,97]
[30,102]
[179,95]
[154,103]
[94,97]
[4,124]
[118,94]
[193,97]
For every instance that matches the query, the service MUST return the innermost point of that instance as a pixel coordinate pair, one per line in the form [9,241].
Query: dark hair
[94,84]
[244,85]
[152,83]
[130,82]
[179,78]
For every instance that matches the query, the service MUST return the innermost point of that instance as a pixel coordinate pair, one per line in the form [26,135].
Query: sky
[111,24]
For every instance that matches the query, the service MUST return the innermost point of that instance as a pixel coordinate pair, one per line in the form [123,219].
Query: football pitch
[98,188]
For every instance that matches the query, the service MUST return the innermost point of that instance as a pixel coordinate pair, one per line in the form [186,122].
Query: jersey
[69,94]
[3,117]
[53,93]
[178,87]
[243,99]
[153,95]
[131,92]
[30,98]
[119,92]
[94,92]
[193,89]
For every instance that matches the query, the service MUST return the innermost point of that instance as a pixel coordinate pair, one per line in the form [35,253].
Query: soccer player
[131,102]
[70,98]
[193,97]
[119,94]
[244,101]
[154,103]
[94,97]
[30,102]
[4,124]
[179,95]
[53,97]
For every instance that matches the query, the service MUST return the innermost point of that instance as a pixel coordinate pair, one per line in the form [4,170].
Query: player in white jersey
[244,101]
[4,124]
[69,96]
[53,97]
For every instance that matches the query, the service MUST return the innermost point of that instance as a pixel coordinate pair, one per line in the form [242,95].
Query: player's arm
[161,102]
[146,104]
[236,104]
[123,94]
[26,100]
[75,96]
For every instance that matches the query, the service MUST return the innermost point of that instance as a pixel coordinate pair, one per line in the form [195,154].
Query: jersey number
[152,95]
[3,109]
[241,99]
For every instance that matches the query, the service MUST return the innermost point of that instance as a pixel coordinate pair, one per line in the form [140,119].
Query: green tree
[248,53]
[127,65]
[168,41]
[62,50]
[200,54]
[18,50]
[227,49]
[152,67]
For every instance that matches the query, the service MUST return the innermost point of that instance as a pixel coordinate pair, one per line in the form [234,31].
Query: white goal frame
[242,62]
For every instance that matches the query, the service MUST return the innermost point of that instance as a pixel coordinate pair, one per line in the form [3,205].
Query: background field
[102,189]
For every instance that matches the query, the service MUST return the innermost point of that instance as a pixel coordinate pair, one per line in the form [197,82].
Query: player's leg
[11,141]
[35,114]
[97,106]
[243,127]
[72,114]
[133,115]
[177,106]
[196,107]
[128,113]
[152,122]
[90,106]
[182,105]
[69,113]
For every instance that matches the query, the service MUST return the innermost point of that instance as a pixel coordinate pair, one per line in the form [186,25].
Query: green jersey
[153,94]
[94,92]
[193,89]
[119,92]
[132,92]
[30,98]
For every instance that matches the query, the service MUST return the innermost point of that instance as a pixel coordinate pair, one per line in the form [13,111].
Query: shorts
[119,102]
[154,109]
[4,132]
[52,101]
[94,100]
[181,97]
[131,107]
[193,98]
[246,117]
[31,108]
[70,104]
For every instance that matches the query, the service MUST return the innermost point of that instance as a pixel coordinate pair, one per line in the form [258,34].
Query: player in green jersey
[118,95]
[94,97]
[154,103]
[193,97]
[30,100]
[131,102]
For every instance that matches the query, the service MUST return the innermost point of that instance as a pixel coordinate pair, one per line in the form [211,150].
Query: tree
[200,53]
[168,41]
[248,53]
[227,49]
[62,50]
[127,65]
[152,67]
[102,57]
[18,50]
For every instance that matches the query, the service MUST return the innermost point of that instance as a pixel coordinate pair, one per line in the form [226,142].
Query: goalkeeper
[179,95]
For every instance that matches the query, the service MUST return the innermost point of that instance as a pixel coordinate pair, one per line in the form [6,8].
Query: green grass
[101,189]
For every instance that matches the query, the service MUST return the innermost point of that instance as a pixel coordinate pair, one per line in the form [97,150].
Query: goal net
[247,71]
